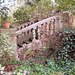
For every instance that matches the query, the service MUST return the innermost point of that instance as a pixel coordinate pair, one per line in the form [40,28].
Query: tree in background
[66,5]
[43,9]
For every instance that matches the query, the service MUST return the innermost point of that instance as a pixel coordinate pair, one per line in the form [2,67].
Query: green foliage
[34,10]
[38,69]
[65,5]
[21,15]
[6,48]
[28,52]
[60,65]
[66,68]
[65,56]
[42,10]
[68,45]
[11,26]
[2,69]
[4,14]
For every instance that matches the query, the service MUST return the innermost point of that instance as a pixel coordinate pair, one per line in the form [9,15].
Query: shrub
[38,69]
[1,69]
[21,15]
[6,48]
[4,14]
[51,44]
[68,45]
[42,10]
[66,5]
[61,43]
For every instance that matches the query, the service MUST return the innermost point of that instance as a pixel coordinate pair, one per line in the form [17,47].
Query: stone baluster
[44,27]
[26,33]
[48,27]
[51,29]
[19,28]
[29,30]
[39,27]
[22,34]
[34,33]
[56,25]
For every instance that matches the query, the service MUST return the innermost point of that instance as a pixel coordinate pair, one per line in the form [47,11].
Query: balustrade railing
[24,25]
[48,25]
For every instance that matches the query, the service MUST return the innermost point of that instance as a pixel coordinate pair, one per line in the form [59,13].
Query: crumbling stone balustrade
[26,30]
[52,24]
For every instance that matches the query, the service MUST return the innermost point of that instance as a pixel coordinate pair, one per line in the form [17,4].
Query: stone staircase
[28,32]
[20,35]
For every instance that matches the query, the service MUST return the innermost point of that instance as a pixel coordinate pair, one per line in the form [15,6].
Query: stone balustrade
[24,25]
[48,24]
[31,29]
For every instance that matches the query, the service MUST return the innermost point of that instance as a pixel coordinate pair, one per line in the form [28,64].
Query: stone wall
[12,34]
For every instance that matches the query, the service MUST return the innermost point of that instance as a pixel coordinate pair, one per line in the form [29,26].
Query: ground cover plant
[53,58]
[63,58]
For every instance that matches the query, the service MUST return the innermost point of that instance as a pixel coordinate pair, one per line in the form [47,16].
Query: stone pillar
[72,21]
[39,27]
[63,20]
[12,34]
[34,34]
[51,28]
[48,27]
[73,24]
[56,24]
[66,19]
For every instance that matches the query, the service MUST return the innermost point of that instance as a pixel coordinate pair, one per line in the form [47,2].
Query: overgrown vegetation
[4,14]
[43,9]
[57,52]
[34,11]
[55,57]
[21,15]
[66,5]
[6,49]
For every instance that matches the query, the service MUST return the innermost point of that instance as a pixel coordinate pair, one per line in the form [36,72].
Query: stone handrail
[24,25]
[47,22]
